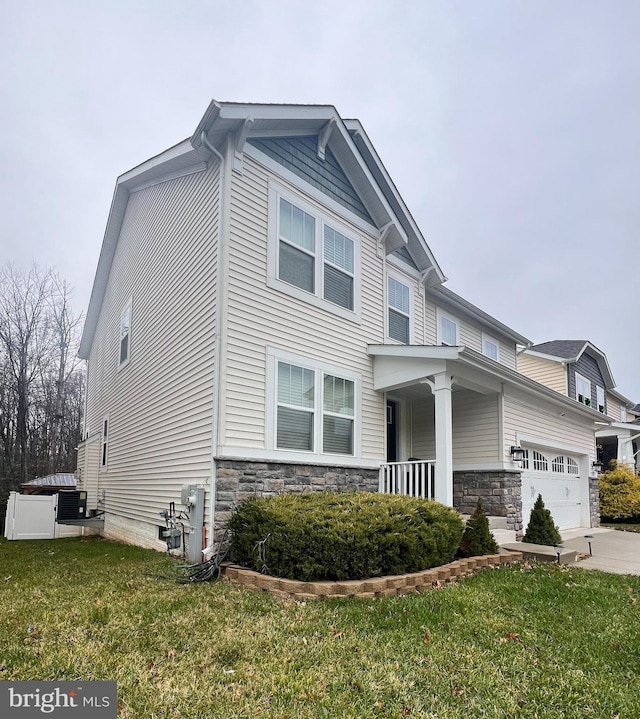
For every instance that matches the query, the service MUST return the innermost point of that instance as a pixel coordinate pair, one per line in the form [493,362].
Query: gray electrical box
[192,498]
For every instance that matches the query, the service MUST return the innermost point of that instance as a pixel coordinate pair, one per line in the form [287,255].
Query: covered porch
[444,417]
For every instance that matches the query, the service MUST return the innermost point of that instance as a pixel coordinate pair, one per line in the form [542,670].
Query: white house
[267,316]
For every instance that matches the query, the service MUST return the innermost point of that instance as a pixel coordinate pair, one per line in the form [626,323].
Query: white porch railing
[410,479]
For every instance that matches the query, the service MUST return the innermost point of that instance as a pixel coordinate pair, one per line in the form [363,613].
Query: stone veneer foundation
[500,492]
[594,501]
[368,588]
[238,480]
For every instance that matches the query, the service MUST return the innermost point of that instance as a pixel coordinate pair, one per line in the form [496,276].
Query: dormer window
[583,390]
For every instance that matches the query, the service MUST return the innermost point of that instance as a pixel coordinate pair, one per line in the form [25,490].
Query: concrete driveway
[613,551]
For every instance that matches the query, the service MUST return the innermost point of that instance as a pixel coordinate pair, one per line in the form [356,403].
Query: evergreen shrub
[541,528]
[619,493]
[339,536]
[477,538]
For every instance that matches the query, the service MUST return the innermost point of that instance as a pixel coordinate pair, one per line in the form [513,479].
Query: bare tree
[41,383]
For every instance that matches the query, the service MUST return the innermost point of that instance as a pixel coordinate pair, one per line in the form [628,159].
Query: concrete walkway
[613,551]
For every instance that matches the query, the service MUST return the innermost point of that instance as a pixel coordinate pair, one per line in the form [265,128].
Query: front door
[392,431]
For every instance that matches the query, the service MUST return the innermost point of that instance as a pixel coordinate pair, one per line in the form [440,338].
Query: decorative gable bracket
[241,138]
[392,237]
[323,138]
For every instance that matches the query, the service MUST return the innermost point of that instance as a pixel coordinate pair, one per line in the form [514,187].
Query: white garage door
[557,478]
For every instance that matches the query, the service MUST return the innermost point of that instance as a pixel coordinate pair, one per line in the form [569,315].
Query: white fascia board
[175,162]
[529,385]
[356,127]
[550,358]
[601,358]
[116,215]
[548,443]
[476,313]
[444,352]
[340,143]
[630,404]
[153,163]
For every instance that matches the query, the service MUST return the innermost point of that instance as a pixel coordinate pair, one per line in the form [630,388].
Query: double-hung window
[314,257]
[399,314]
[490,348]
[583,390]
[448,329]
[600,400]
[316,410]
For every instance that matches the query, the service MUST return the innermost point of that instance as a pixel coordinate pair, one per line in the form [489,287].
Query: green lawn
[511,642]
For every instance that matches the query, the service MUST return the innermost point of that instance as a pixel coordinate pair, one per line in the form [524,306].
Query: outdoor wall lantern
[598,466]
[517,454]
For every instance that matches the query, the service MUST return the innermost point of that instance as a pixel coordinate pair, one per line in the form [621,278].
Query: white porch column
[441,387]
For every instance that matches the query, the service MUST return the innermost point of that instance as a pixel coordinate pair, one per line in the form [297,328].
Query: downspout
[208,551]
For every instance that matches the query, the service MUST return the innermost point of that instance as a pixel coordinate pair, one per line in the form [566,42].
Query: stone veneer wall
[238,480]
[594,501]
[500,492]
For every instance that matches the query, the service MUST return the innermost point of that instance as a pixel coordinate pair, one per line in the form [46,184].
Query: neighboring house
[578,369]
[267,316]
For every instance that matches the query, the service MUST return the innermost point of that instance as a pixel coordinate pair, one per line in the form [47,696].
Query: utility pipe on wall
[208,550]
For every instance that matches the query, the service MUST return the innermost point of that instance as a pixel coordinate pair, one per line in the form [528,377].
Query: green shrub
[477,538]
[541,528]
[340,536]
[619,493]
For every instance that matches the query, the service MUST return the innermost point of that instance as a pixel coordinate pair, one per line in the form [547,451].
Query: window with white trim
[490,348]
[399,311]
[601,400]
[314,257]
[583,390]
[448,329]
[316,410]
[104,450]
[125,334]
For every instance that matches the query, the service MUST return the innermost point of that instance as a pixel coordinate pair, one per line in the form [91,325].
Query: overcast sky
[511,128]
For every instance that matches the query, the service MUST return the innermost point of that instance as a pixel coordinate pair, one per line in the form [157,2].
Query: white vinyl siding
[259,315]
[523,418]
[613,408]
[551,374]
[125,335]
[476,437]
[160,408]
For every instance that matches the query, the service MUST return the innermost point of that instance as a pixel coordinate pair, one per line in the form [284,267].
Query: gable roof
[569,351]
[359,163]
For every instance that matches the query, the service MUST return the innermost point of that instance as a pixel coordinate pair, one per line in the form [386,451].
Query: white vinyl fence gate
[33,516]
